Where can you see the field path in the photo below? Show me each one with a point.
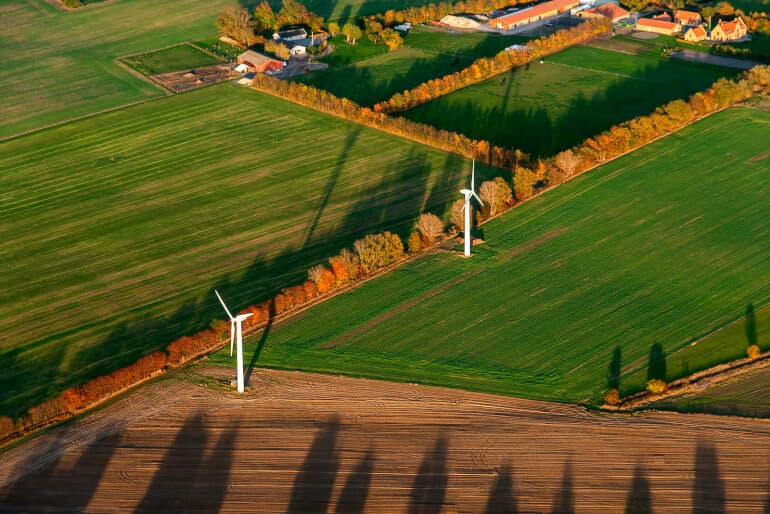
(300, 442)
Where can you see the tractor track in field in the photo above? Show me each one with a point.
(304, 442)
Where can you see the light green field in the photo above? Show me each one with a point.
(58, 65)
(116, 228)
(176, 58)
(426, 55)
(545, 108)
(660, 246)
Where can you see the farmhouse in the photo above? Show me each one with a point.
(729, 30)
(695, 34)
(658, 26)
(258, 62)
(664, 16)
(613, 12)
(533, 14)
(687, 18)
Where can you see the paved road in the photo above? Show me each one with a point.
(718, 60)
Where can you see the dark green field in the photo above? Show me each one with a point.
(576, 94)
(660, 246)
(426, 54)
(176, 58)
(116, 228)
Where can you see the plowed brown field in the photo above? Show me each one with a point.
(308, 443)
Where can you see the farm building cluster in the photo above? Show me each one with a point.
(690, 25)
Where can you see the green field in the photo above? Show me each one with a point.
(746, 395)
(176, 58)
(659, 246)
(57, 65)
(575, 94)
(116, 228)
(426, 54)
(343, 9)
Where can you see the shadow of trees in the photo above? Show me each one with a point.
(313, 486)
(613, 374)
(639, 498)
(56, 488)
(708, 495)
(430, 484)
(751, 325)
(564, 502)
(356, 490)
(502, 497)
(656, 368)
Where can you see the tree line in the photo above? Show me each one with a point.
(486, 67)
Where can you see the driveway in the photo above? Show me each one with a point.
(718, 60)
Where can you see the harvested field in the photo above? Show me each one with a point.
(299, 442)
(180, 81)
(617, 45)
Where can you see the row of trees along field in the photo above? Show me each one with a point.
(370, 254)
(486, 67)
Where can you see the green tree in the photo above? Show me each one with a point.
(352, 33)
(265, 18)
(392, 39)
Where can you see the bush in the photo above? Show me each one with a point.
(656, 386)
(753, 351)
(430, 228)
(7, 428)
(187, 348)
(322, 277)
(414, 243)
(613, 397)
(310, 289)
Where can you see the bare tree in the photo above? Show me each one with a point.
(488, 195)
(457, 213)
(567, 161)
(236, 22)
(430, 227)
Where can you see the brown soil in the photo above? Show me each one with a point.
(179, 81)
(307, 443)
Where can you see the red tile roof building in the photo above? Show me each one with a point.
(533, 14)
(695, 34)
(728, 30)
(688, 18)
(658, 26)
(614, 12)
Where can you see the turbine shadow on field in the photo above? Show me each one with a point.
(564, 501)
(54, 488)
(430, 483)
(353, 496)
(502, 496)
(639, 498)
(314, 483)
(708, 495)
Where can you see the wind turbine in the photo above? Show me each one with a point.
(236, 332)
(467, 208)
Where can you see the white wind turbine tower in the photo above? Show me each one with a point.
(236, 332)
(467, 208)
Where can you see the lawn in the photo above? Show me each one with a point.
(116, 228)
(545, 108)
(58, 65)
(176, 58)
(426, 54)
(660, 246)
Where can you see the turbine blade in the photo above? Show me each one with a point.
(479, 199)
(232, 336)
(223, 304)
(473, 175)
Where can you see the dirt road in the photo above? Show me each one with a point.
(299, 442)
